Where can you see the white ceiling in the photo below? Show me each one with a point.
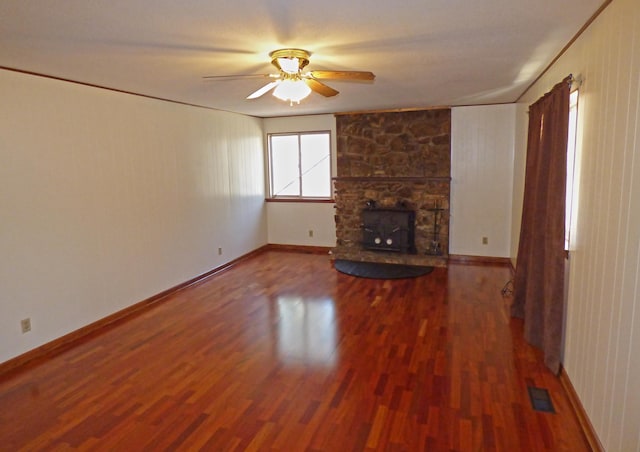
(424, 52)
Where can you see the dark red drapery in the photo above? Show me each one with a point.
(538, 295)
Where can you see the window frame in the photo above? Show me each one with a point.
(270, 166)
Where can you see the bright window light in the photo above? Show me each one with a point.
(571, 202)
(300, 165)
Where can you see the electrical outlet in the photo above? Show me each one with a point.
(310, 232)
(485, 240)
(25, 325)
(219, 251)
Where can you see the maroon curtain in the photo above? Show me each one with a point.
(538, 294)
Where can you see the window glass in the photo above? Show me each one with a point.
(572, 172)
(315, 165)
(284, 166)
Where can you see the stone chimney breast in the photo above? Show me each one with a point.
(394, 159)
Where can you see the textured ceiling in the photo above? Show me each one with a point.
(424, 52)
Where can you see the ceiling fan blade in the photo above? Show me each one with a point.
(320, 87)
(266, 88)
(344, 75)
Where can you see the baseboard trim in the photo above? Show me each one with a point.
(68, 340)
(462, 259)
(581, 414)
(299, 248)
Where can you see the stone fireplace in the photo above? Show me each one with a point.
(393, 162)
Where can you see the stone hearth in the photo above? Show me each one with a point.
(399, 159)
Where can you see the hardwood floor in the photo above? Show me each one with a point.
(282, 352)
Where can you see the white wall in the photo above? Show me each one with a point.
(107, 199)
(519, 164)
(289, 223)
(482, 149)
(603, 316)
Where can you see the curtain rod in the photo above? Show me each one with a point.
(574, 82)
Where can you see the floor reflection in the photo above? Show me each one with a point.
(306, 331)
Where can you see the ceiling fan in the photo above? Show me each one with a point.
(293, 85)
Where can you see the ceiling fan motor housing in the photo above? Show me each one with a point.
(302, 56)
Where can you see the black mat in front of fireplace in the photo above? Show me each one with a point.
(377, 270)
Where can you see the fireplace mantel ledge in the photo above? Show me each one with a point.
(392, 178)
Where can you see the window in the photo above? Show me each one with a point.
(572, 170)
(300, 165)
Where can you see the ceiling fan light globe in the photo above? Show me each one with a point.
(292, 91)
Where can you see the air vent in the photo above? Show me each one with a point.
(540, 399)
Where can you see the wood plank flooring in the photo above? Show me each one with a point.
(283, 353)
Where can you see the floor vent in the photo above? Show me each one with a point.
(540, 399)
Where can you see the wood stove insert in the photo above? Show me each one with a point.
(389, 230)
